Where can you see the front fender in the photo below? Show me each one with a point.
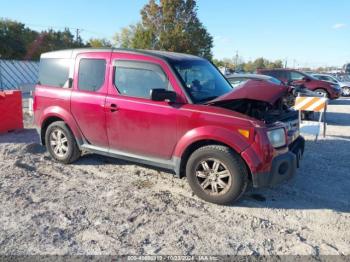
(229, 137)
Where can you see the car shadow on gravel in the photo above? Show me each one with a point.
(322, 182)
(25, 136)
(95, 159)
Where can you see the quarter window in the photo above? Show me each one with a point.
(137, 79)
(91, 74)
(54, 72)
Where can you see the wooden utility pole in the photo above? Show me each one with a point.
(77, 34)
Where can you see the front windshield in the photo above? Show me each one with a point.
(203, 82)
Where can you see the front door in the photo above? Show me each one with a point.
(136, 124)
(89, 95)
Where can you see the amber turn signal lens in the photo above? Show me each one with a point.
(244, 132)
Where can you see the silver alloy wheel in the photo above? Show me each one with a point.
(59, 143)
(346, 91)
(213, 176)
(322, 93)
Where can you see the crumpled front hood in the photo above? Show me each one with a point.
(255, 90)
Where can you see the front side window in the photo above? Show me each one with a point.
(202, 81)
(137, 79)
(91, 74)
(54, 72)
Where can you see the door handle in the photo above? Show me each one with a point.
(111, 107)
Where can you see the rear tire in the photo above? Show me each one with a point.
(346, 91)
(61, 143)
(217, 174)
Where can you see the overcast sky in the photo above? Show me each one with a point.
(307, 33)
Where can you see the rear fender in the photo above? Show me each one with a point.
(55, 111)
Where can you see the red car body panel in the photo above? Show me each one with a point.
(156, 129)
(88, 108)
(255, 90)
(142, 126)
(52, 102)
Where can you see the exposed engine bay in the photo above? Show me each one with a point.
(264, 111)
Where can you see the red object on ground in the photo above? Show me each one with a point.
(10, 111)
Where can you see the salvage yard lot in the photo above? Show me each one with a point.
(101, 205)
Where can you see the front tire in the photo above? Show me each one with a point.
(217, 174)
(61, 143)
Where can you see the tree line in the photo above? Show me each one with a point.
(238, 64)
(171, 25)
(20, 42)
(165, 25)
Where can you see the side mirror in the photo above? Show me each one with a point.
(160, 94)
(306, 79)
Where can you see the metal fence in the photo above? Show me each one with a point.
(16, 74)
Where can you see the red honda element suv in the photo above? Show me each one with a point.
(168, 110)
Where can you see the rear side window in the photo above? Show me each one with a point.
(91, 74)
(54, 72)
(137, 79)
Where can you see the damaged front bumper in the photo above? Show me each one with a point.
(283, 167)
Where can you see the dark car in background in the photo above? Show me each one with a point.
(297, 78)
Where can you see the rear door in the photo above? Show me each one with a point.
(89, 96)
(135, 123)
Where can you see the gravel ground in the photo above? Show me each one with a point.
(102, 205)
